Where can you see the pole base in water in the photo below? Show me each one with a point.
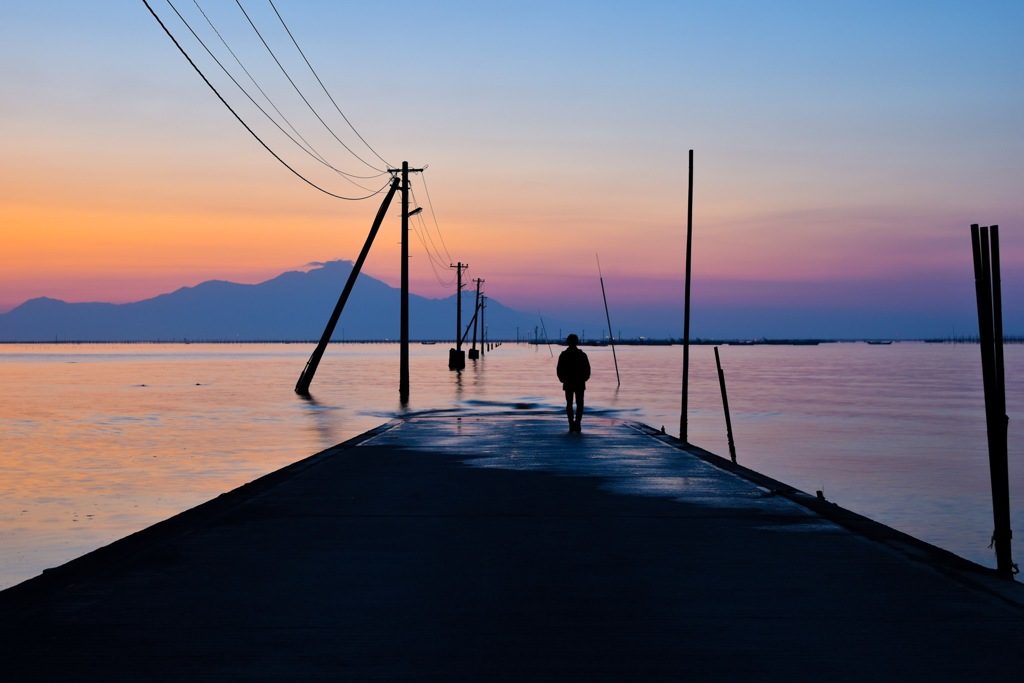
(456, 359)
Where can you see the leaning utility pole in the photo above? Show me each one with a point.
(302, 386)
(456, 356)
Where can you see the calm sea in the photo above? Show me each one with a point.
(98, 441)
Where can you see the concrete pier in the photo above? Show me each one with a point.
(502, 548)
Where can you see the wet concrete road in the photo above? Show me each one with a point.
(501, 548)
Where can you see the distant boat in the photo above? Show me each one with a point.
(428, 343)
(880, 343)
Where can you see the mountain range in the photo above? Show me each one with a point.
(290, 307)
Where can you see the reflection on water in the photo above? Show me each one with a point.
(101, 440)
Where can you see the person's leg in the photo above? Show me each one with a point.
(579, 408)
(568, 407)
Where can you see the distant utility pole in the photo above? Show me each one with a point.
(483, 327)
(473, 353)
(456, 356)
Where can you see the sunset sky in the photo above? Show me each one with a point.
(842, 150)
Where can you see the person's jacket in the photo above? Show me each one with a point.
(573, 369)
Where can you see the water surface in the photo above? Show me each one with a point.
(98, 441)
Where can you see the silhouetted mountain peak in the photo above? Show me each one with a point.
(294, 305)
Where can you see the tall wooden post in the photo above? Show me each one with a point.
(990, 333)
(683, 436)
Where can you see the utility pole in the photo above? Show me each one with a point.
(473, 353)
(483, 327)
(403, 362)
(456, 356)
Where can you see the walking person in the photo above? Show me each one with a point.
(573, 371)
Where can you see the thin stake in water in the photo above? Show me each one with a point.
(611, 337)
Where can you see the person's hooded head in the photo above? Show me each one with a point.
(572, 340)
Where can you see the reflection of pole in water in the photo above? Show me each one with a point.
(611, 338)
(321, 422)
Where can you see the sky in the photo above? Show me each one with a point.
(841, 152)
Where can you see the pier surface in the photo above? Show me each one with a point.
(502, 548)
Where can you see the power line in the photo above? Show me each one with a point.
(429, 237)
(432, 260)
(424, 234)
(434, 216)
(297, 89)
(306, 146)
(239, 118)
(433, 255)
(326, 92)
